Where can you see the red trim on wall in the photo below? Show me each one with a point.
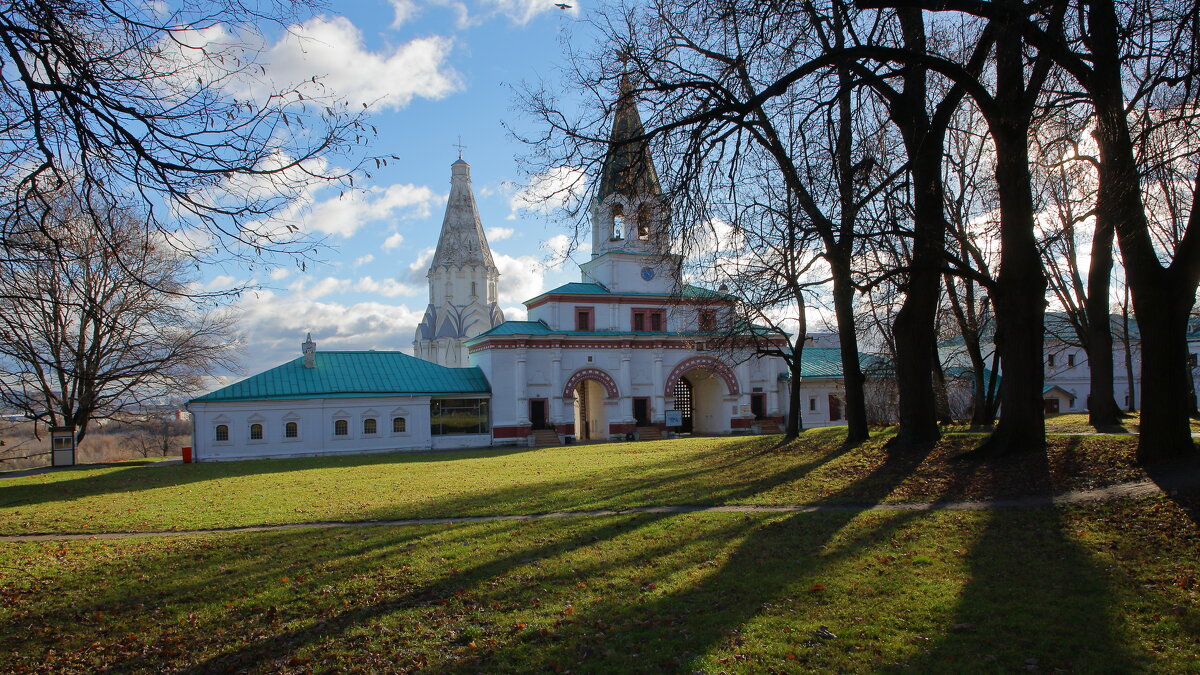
(519, 431)
(588, 342)
(620, 300)
(705, 363)
(740, 423)
(565, 429)
(605, 380)
(621, 428)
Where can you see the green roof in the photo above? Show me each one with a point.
(354, 374)
(581, 288)
(821, 362)
(540, 328)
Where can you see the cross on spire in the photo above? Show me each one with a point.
(460, 146)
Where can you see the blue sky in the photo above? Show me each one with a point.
(434, 71)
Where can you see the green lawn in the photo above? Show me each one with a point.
(746, 470)
(1100, 587)
(1086, 589)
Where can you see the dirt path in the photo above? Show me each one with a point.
(1124, 490)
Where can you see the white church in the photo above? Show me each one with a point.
(626, 352)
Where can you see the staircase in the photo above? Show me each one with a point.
(543, 438)
(649, 433)
(769, 427)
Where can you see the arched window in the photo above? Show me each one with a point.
(369, 425)
(618, 216)
(291, 430)
(474, 292)
(643, 221)
(399, 425)
(341, 428)
(222, 432)
(256, 433)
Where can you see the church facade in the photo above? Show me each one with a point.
(628, 351)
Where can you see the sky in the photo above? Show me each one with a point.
(435, 72)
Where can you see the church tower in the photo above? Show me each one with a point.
(628, 214)
(462, 280)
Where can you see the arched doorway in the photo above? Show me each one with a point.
(591, 420)
(700, 388)
(683, 403)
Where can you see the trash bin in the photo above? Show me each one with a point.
(187, 455)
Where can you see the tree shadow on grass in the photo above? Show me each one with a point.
(1180, 481)
(670, 631)
(1034, 600)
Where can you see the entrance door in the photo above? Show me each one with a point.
(758, 405)
(835, 408)
(537, 413)
(641, 411)
(1051, 406)
(683, 403)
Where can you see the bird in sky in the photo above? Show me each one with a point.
(562, 5)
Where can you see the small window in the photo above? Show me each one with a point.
(1070, 360)
(291, 430)
(256, 433)
(341, 428)
(1050, 360)
(656, 322)
(812, 404)
(708, 320)
(1192, 359)
(222, 432)
(399, 425)
(618, 227)
(474, 292)
(643, 222)
(369, 426)
(639, 321)
(583, 318)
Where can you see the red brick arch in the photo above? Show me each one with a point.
(606, 380)
(702, 363)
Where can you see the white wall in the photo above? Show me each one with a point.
(316, 419)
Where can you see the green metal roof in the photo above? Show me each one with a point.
(354, 374)
(581, 288)
(821, 362)
(540, 328)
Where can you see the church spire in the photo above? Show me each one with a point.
(462, 241)
(627, 167)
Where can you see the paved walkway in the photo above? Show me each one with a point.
(1124, 490)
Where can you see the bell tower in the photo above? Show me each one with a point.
(463, 280)
(629, 218)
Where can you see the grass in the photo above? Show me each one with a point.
(1100, 588)
(1109, 586)
(1077, 423)
(747, 470)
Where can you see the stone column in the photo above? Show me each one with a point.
(520, 387)
(625, 407)
(658, 402)
(556, 384)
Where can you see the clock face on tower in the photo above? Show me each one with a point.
(647, 273)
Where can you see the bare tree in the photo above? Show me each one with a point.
(165, 103)
(104, 325)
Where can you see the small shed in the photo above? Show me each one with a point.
(1057, 400)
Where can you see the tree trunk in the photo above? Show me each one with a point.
(1020, 294)
(940, 391)
(794, 425)
(1102, 406)
(852, 375)
(1162, 297)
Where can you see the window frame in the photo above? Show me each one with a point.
(291, 423)
(706, 320)
(438, 411)
(344, 423)
(590, 312)
(217, 429)
(403, 420)
(262, 435)
(373, 429)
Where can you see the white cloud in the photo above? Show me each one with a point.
(402, 11)
(280, 273)
(420, 267)
(499, 233)
(519, 12)
(343, 215)
(562, 248)
(308, 289)
(393, 241)
(275, 325)
(332, 49)
(521, 277)
(557, 188)
(389, 288)
(364, 259)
